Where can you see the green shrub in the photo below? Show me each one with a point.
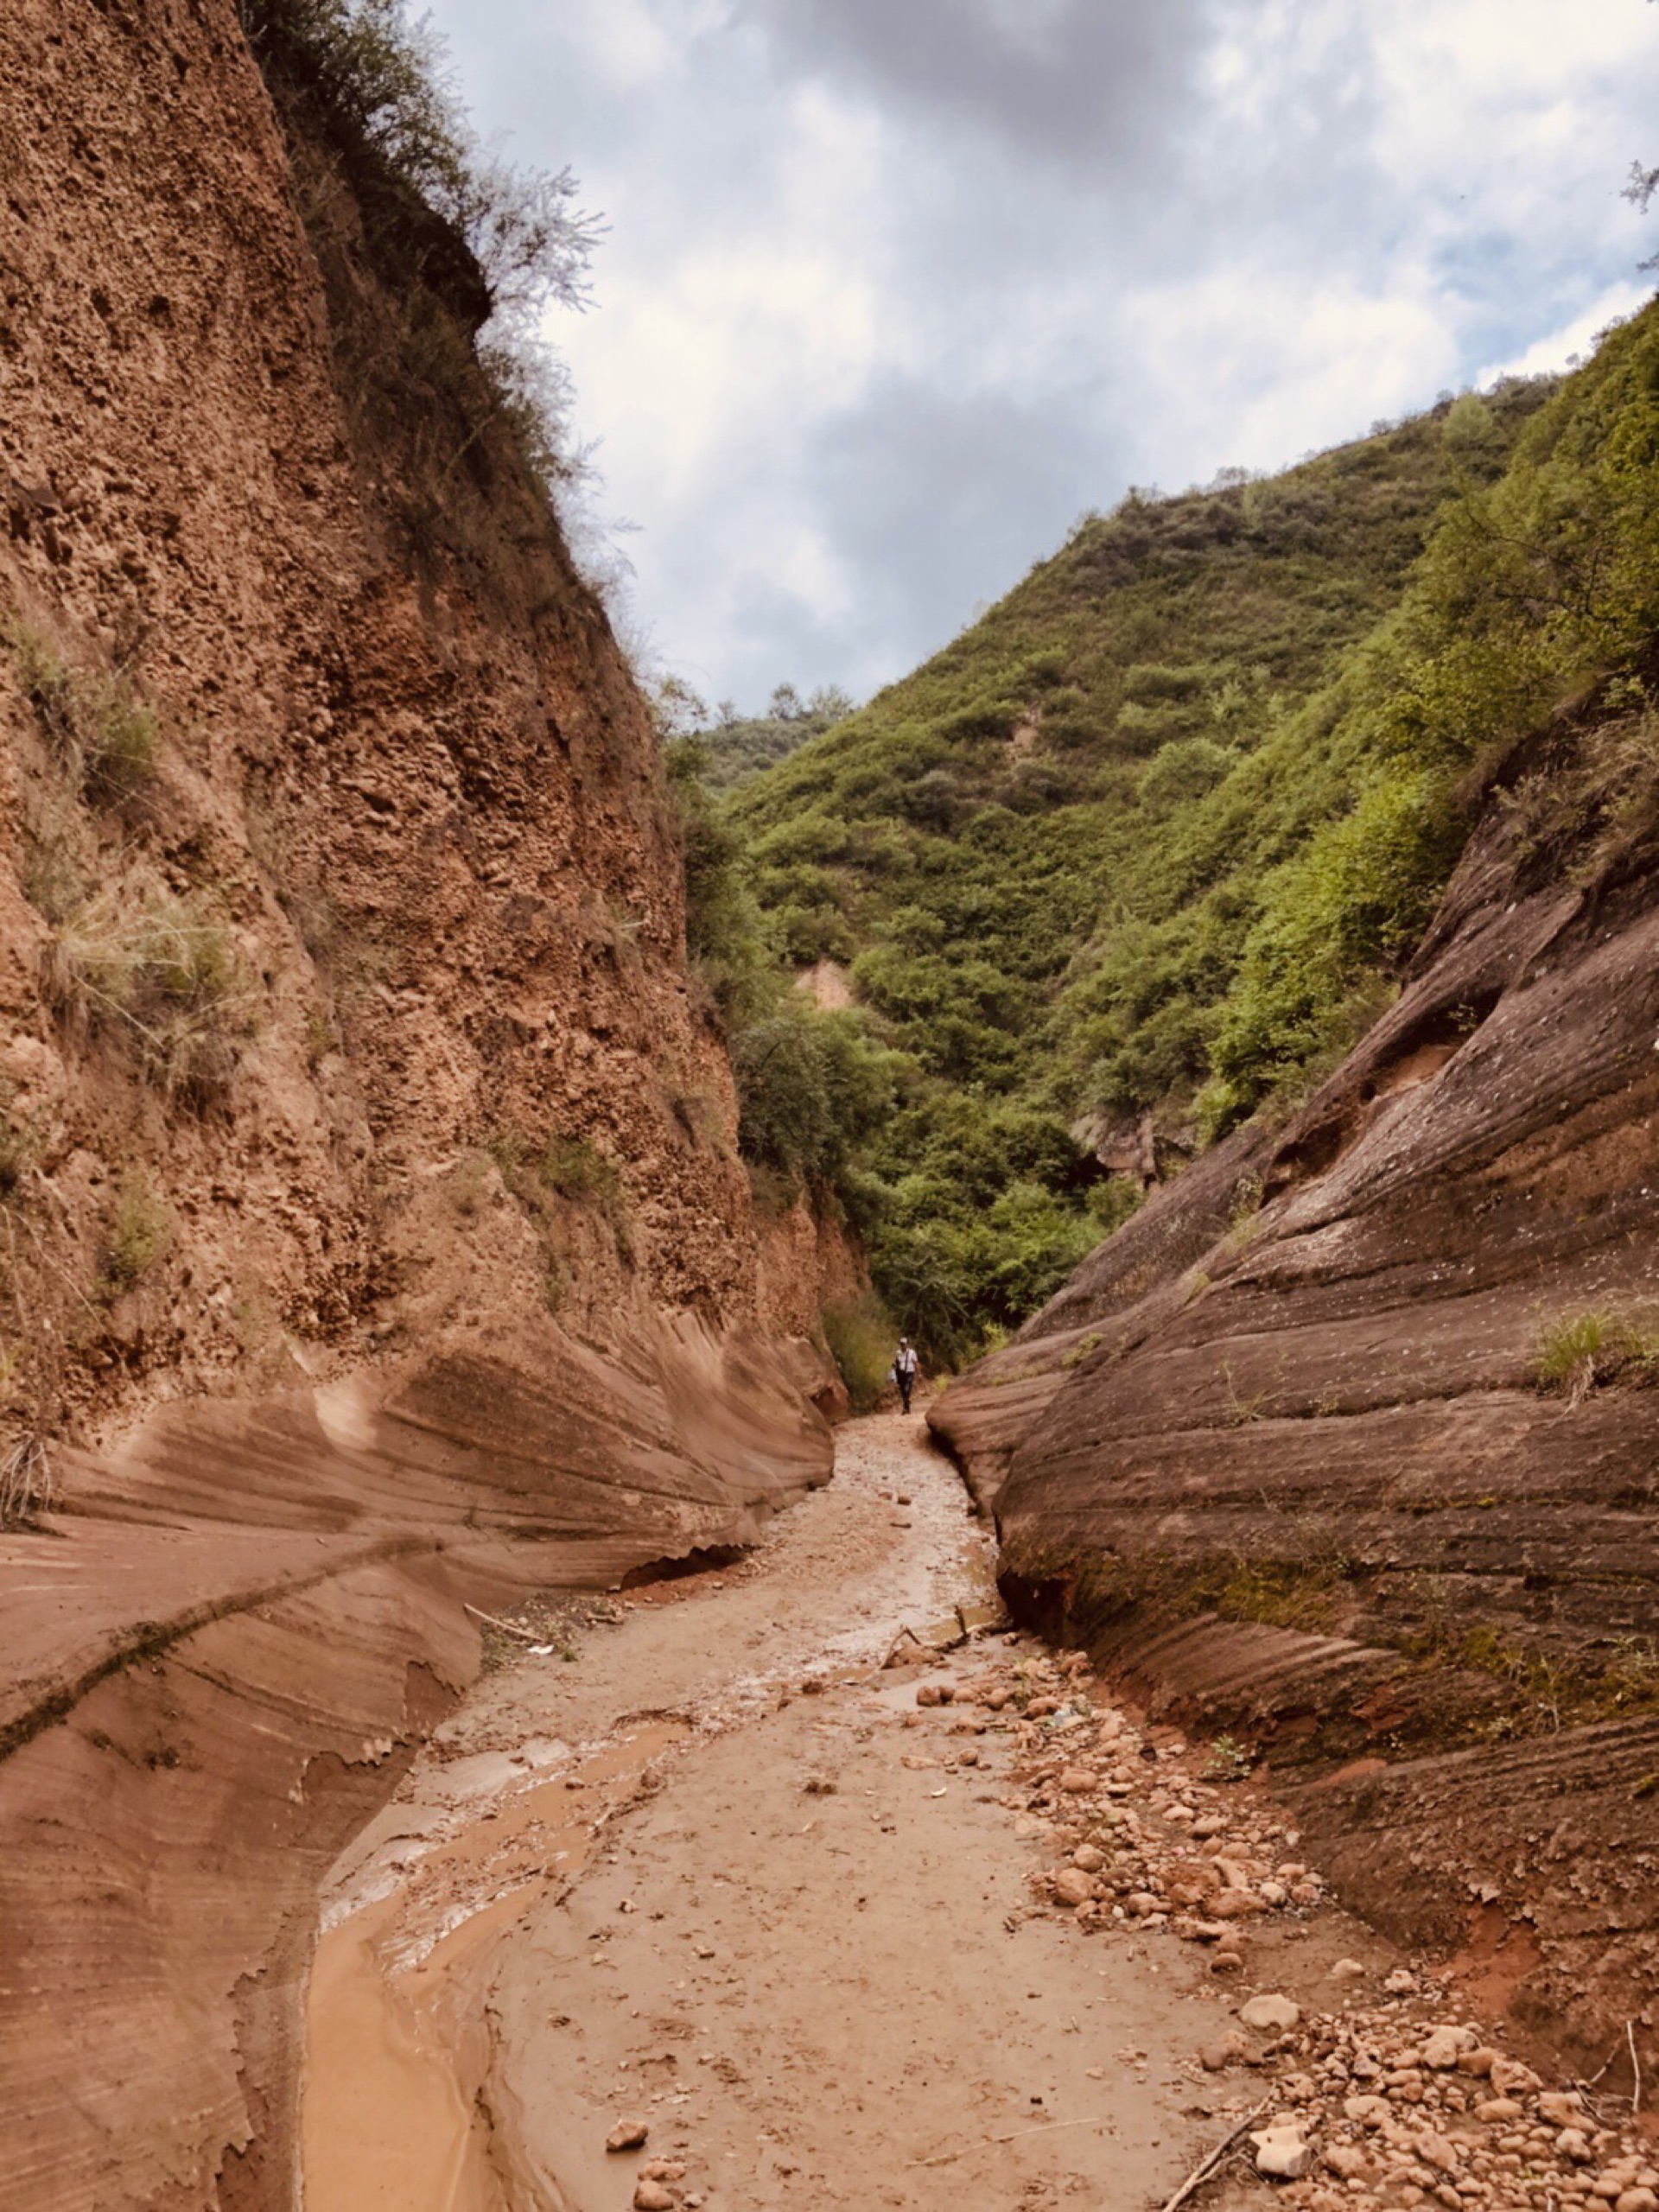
(576, 1168)
(459, 238)
(811, 1089)
(571, 1168)
(141, 1228)
(861, 1337)
(97, 724)
(120, 742)
(1183, 772)
(1577, 1350)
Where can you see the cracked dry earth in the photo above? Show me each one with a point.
(701, 1863)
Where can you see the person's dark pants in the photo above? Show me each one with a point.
(906, 1384)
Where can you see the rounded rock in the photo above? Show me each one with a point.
(1270, 2013)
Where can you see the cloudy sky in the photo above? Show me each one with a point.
(893, 289)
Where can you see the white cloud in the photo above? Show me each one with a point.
(892, 291)
(1573, 342)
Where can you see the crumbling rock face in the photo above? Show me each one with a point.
(1348, 1472)
(373, 1236)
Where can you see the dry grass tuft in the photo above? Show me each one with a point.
(161, 971)
(97, 724)
(1578, 1351)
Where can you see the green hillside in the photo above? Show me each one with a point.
(736, 746)
(1148, 840)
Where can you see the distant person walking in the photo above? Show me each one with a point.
(904, 1370)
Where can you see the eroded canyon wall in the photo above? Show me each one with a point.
(1348, 1443)
(374, 1235)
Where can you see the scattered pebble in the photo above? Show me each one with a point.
(1375, 2108)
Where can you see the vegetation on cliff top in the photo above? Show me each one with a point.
(1140, 853)
(472, 250)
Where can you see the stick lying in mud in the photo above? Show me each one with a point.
(1635, 2070)
(904, 1635)
(1018, 2135)
(1206, 2166)
(507, 1628)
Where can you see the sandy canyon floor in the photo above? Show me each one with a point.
(699, 1861)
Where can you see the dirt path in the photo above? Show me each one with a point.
(721, 1874)
(788, 1944)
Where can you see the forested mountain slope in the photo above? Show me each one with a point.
(1138, 850)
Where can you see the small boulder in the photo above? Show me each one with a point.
(1511, 2078)
(1270, 2014)
(1636, 2200)
(1235, 1904)
(1439, 2151)
(1367, 2112)
(1282, 2153)
(628, 2135)
(1230, 2050)
(1090, 1857)
(1072, 1886)
(1077, 1781)
(650, 2195)
(1444, 2046)
(1560, 2107)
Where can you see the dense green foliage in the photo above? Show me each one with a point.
(737, 747)
(1153, 838)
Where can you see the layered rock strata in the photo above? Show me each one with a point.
(1346, 1443)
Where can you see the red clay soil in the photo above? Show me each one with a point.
(1283, 1449)
(408, 1262)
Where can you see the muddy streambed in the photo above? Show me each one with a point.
(521, 1792)
(719, 1873)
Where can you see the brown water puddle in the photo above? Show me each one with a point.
(394, 2039)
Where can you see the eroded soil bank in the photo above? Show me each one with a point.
(719, 1871)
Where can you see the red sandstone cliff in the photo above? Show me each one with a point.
(374, 1236)
(1347, 1441)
